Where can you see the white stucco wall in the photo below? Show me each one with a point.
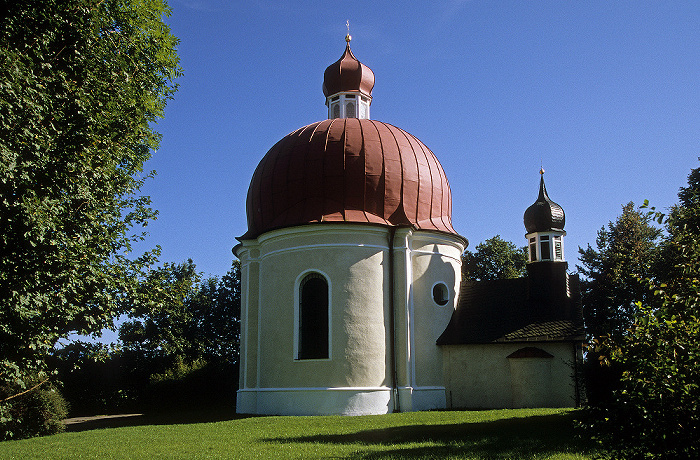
(481, 376)
(357, 377)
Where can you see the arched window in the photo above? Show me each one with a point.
(313, 317)
(336, 110)
(350, 110)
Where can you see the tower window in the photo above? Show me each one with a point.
(545, 253)
(533, 249)
(313, 317)
(335, 98)
(336, 110)
(558, 253)
(350, 110)
(363, 110)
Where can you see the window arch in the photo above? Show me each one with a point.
(312, 342)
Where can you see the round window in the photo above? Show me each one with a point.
(441, 295)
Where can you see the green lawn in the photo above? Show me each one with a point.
(517, 434)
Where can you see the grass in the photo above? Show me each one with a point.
(496, 434)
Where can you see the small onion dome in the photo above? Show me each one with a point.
(348, 74)
(349, 170)
(544, 215)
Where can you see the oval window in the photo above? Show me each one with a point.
(441, 295)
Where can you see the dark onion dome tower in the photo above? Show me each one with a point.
(548, 282)
(544, 221)
(350, 266)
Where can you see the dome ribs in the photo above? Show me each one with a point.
(267, 200)
(333, 173)
(349, 170)
(354, 167)
(294, 195)
(409, 175)
(374, 174)
(313, 185)
(424, 200)
(392, 174)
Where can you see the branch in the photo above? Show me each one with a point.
(26, 391)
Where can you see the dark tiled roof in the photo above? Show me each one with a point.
(504, 311)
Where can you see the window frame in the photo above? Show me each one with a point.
(299, 284)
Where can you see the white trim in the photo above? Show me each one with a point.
(259, 326)
(291, 389)
(538, 246)
(307, 247)
(243, 348)
(411, 364)
(315, 401)
(295, 346)
(325, 227)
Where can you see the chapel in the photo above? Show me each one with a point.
(352, 293)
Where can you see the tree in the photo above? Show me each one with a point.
(184, 346)
(656, 411)
(81, 83)
(189, 320)
(494, 259)
(625, 252)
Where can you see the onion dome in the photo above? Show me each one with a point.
(348, 74)
(349, 170)
(544, 215)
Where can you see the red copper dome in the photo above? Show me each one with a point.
(348, 74)
(349, 170)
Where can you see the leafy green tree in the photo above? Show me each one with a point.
(656, 411)
(493, 259)
(189, 320)
(626, 251)
(184, 346)
(81, 83)
(159, 328)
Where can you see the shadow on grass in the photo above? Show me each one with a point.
(174, 417)
(527, 437)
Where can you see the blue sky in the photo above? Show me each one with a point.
(605, 95)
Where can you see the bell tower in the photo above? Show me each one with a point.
(544, 221)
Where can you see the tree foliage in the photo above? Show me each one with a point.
(190, 320)
(81, 82)
(493, 259)
(625, 252)
(655, 413)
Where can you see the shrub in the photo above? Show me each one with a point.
(37, 412)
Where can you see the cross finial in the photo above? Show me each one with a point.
(348, 37)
